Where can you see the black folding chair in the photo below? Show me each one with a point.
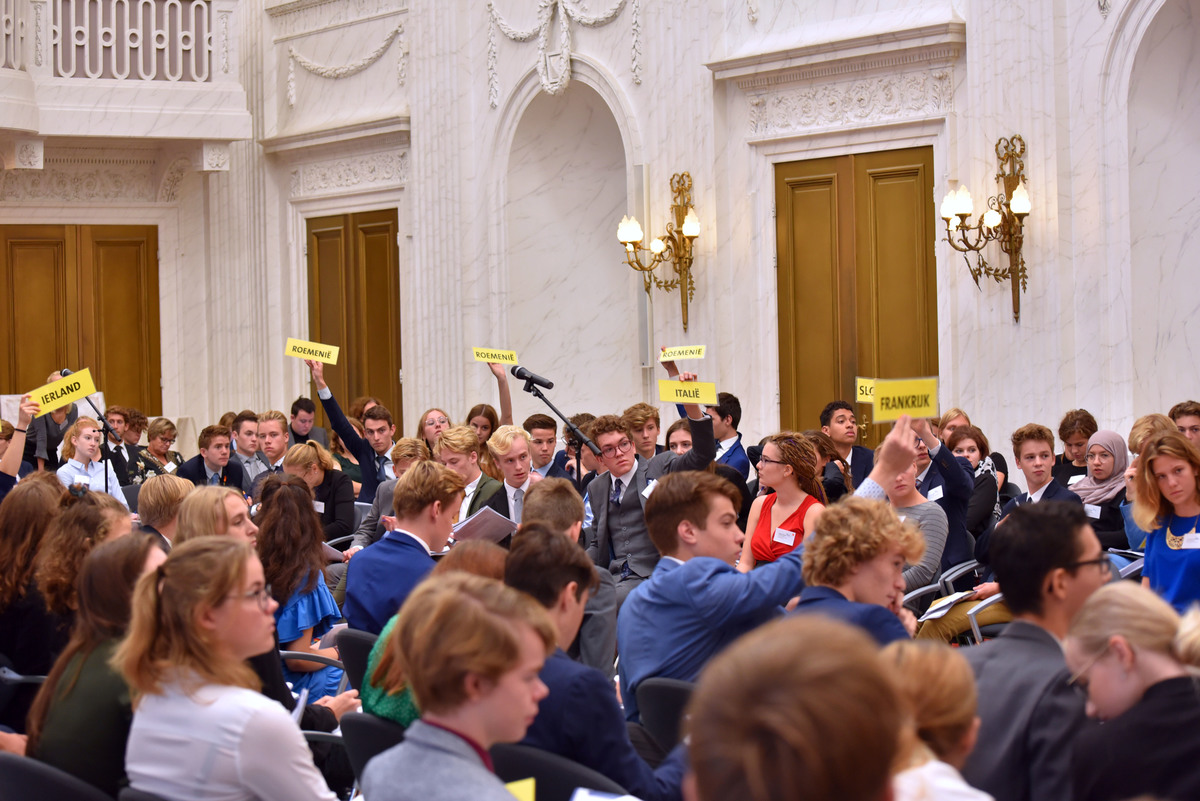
(366, 735)
(557, 777)
(661, 703)
(24, 777)
(355, 646)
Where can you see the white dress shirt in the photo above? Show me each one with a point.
(74, 472)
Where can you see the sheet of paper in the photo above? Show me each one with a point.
(941, 606)
(486, 524)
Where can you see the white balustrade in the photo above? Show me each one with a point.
(146, 40)
(11, 25)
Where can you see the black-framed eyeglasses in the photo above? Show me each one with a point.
(612, 450)
(1101, 562)
(262, 595)
(771, 461)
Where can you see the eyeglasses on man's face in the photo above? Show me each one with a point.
(612, 450)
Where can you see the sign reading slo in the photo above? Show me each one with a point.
(864, 390)
(916, 397)
(311, 350)
(682, 352)
(494, 355)
(671, 391)
(64, 391)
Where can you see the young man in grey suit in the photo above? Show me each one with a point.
(618, 539)
(1048, 561)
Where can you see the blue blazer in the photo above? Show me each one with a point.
(679, 618)
(862, 460)
(1054, 492)
(957, 481)
(379, 579)
(193, 470)
(580, 720)
(736, 458)
(876, 620)
(352, 442)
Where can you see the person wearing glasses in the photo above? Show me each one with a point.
(157, 458)
(1135, 656)
(200, 728)
(1048, 561)
(617, 538)
(778, 522)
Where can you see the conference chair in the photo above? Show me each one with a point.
(987, 632)
(355, 646)
(26, 778)
(130, 794)
(131, 495)
(366, 735)
(10, 680)
(661, 703)
(557, 778)
(321, 660)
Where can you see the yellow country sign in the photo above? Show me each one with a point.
(682, 352)
(523, 789)
(687, 392)
(494, 355)
(64, 391)
(916, 397)
(864, 390)
(311, 350)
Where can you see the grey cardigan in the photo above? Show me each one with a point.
(431, 765)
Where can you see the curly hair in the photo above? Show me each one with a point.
(26, 514)
(289, 537)
(825, 448)
(852, 532)
(86, 523)
(799, 453)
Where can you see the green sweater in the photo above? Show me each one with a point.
(400, 707)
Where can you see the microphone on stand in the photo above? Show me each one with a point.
(533, 378)
(65, 372)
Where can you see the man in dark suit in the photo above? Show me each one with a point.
(118, 454)
(213, 466)
(1048, 561)
(1033, 445)
(379, 579)
(543, 437)
(725, 416)
(458, 448)
(617, 538)
(643, 423)
(245, 448)
(509, 447)
(839, 424)
(948, 481)
(302, 426)
(373, 452)
(579, 719)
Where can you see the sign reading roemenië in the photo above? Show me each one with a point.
(64, 391)
(916, 397)
(311, 350)
(682, 352)
(495, 355)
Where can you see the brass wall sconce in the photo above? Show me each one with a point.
(674, 247)
(1002, 221)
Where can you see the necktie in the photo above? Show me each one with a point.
(616, 493)
(215, 479)
(381, 473)
(518, 501)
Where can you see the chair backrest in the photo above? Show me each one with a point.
(354, 647)
(130, 794)
(23, 777)
(366, 735)
(360, 511)
(131, 495)
(661, 703)
(556, 777)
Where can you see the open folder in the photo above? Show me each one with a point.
(486, 524)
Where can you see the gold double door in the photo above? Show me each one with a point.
(79, 296)
(856, 278)
(354, 303)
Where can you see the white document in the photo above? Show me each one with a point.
(486, 524)
(941, 606)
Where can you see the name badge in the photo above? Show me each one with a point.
(169, 467)
(1093, 511)
(1075, 479)
(935, 494)
(649, 489)
(85, 480)
(1191, 541)
(319, 506)
(782, 535)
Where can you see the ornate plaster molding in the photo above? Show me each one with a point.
(1105, 7)
(348, 175)
(346, 70)
(752, 11)
(83, 178)
(168, 187)
(300, 17)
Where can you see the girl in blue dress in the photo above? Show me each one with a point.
(289, 544)
(1166, 508)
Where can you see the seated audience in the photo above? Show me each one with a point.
(12, 446)
(360, 405)
(839, 424)
(372, 451)
(643, 424)
(759, 731)
(81, 463)
(396, 703)
(1075, 430)
(289, 545)
(214, 465)
(580, 718)
(31, 636)
(954, 419)
(725, 418)
(135, 425)
(1186, 416)
(347, 462)
(509, 447)
(1136, 658)
(1103, 489)
(575, 451)
(156, 458)
(80, 719)
(380, 578)
(200, 727)
(1165, 509)
(483, 418)
(432, 423)
(113, 448)
(683, 444)
(459, 449)
(929, 518)
(333, 495)
(46, 433)
(947, 480)
(407, 452)
(215, 511)
(938, 689)
(826, 453)
(696, 602)
(854, 568)
(1033, 445)
(302, 426)
(983, 510)
(227, 419)
(679, 436)
(88, 519)
(159, 500)
(1047, 561)
(778, 522)
(471, 649)
(543, 438)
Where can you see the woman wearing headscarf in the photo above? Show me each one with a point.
(1103, 489)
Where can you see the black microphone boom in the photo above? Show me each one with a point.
(524, 374)
(65, 372)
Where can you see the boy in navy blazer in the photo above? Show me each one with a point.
(1033, 445)
(838, 423)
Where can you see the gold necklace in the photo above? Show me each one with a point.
(1175, 541)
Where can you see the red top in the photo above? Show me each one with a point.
(763, 545)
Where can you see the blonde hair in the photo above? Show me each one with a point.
(78, 427)
(502, 440)
(1141, 617)
(1146, 427)
(309, 454)
(1150, 508)
(422, 484)
(161, 427)
(455, 625)
(761, 730)
(936, 684)
(421, 422)
(203, 513)
(953, 413)
(459, 439)
(410, 448)
(853, 531)
(163, 636)
(274, 416)
(160, 497)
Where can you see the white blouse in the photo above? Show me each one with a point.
(935, 781)
(221, 744)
